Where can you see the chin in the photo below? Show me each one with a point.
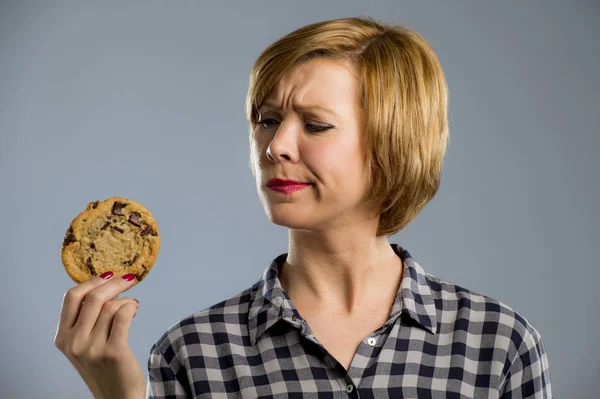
(289, 218)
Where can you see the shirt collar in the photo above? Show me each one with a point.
(271, 303)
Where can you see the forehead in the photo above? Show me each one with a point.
(320, 81)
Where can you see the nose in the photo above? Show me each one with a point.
(277, 154)
(284, 146)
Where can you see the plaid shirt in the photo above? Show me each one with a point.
(440, 341)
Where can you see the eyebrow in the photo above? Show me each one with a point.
(303, 107)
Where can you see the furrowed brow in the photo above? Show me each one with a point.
(303, 107)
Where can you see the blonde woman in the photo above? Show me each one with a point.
(348, 130)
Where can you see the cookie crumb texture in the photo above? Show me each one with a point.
(117, 235)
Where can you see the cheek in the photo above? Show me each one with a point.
(339, 165)
(255, 152)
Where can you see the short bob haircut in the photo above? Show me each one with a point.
(404, 95)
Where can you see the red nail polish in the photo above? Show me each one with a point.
(106, 275)
(129, 277)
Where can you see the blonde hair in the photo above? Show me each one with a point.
(403, 93)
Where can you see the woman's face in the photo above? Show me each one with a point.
(309, 131)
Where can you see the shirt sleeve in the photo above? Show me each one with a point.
(529, 374)
(167, 379)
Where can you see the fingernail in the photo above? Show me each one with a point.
(138, 302)
(106, 275)
(129, 277)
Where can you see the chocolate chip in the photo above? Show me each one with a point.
(147, 230)
(70, 237)
(105, 226)
(134, 219)
(140, 277)
(90, 266)
(132, 261)
(93, 246)
(95, 204)
(117, 207)
(120, 230)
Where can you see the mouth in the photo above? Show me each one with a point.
(284, 182)
(286, 186)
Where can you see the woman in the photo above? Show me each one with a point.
(348, 130)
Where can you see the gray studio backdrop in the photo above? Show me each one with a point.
(146, 100)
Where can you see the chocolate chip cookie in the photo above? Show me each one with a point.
(117, 235)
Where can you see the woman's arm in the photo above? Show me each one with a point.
(167, 378)
(529, 374)
(93, 334)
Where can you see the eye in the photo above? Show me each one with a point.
(267, 122)
(317, 128)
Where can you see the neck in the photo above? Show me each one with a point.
(342, 272)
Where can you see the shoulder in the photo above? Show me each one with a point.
(496, 339)
(225, 317)
(462, 309)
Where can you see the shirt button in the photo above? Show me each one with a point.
(372, 341)
(350, 388)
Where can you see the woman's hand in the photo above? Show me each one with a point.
(93, 334)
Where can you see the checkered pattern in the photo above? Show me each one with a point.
(440, 341)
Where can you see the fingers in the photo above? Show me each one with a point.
(95, 300)
(73, 298)
(113, 311)
(121, 324)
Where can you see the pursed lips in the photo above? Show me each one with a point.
(285, 182)
(286, 186)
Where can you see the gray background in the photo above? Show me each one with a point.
(146, 101)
